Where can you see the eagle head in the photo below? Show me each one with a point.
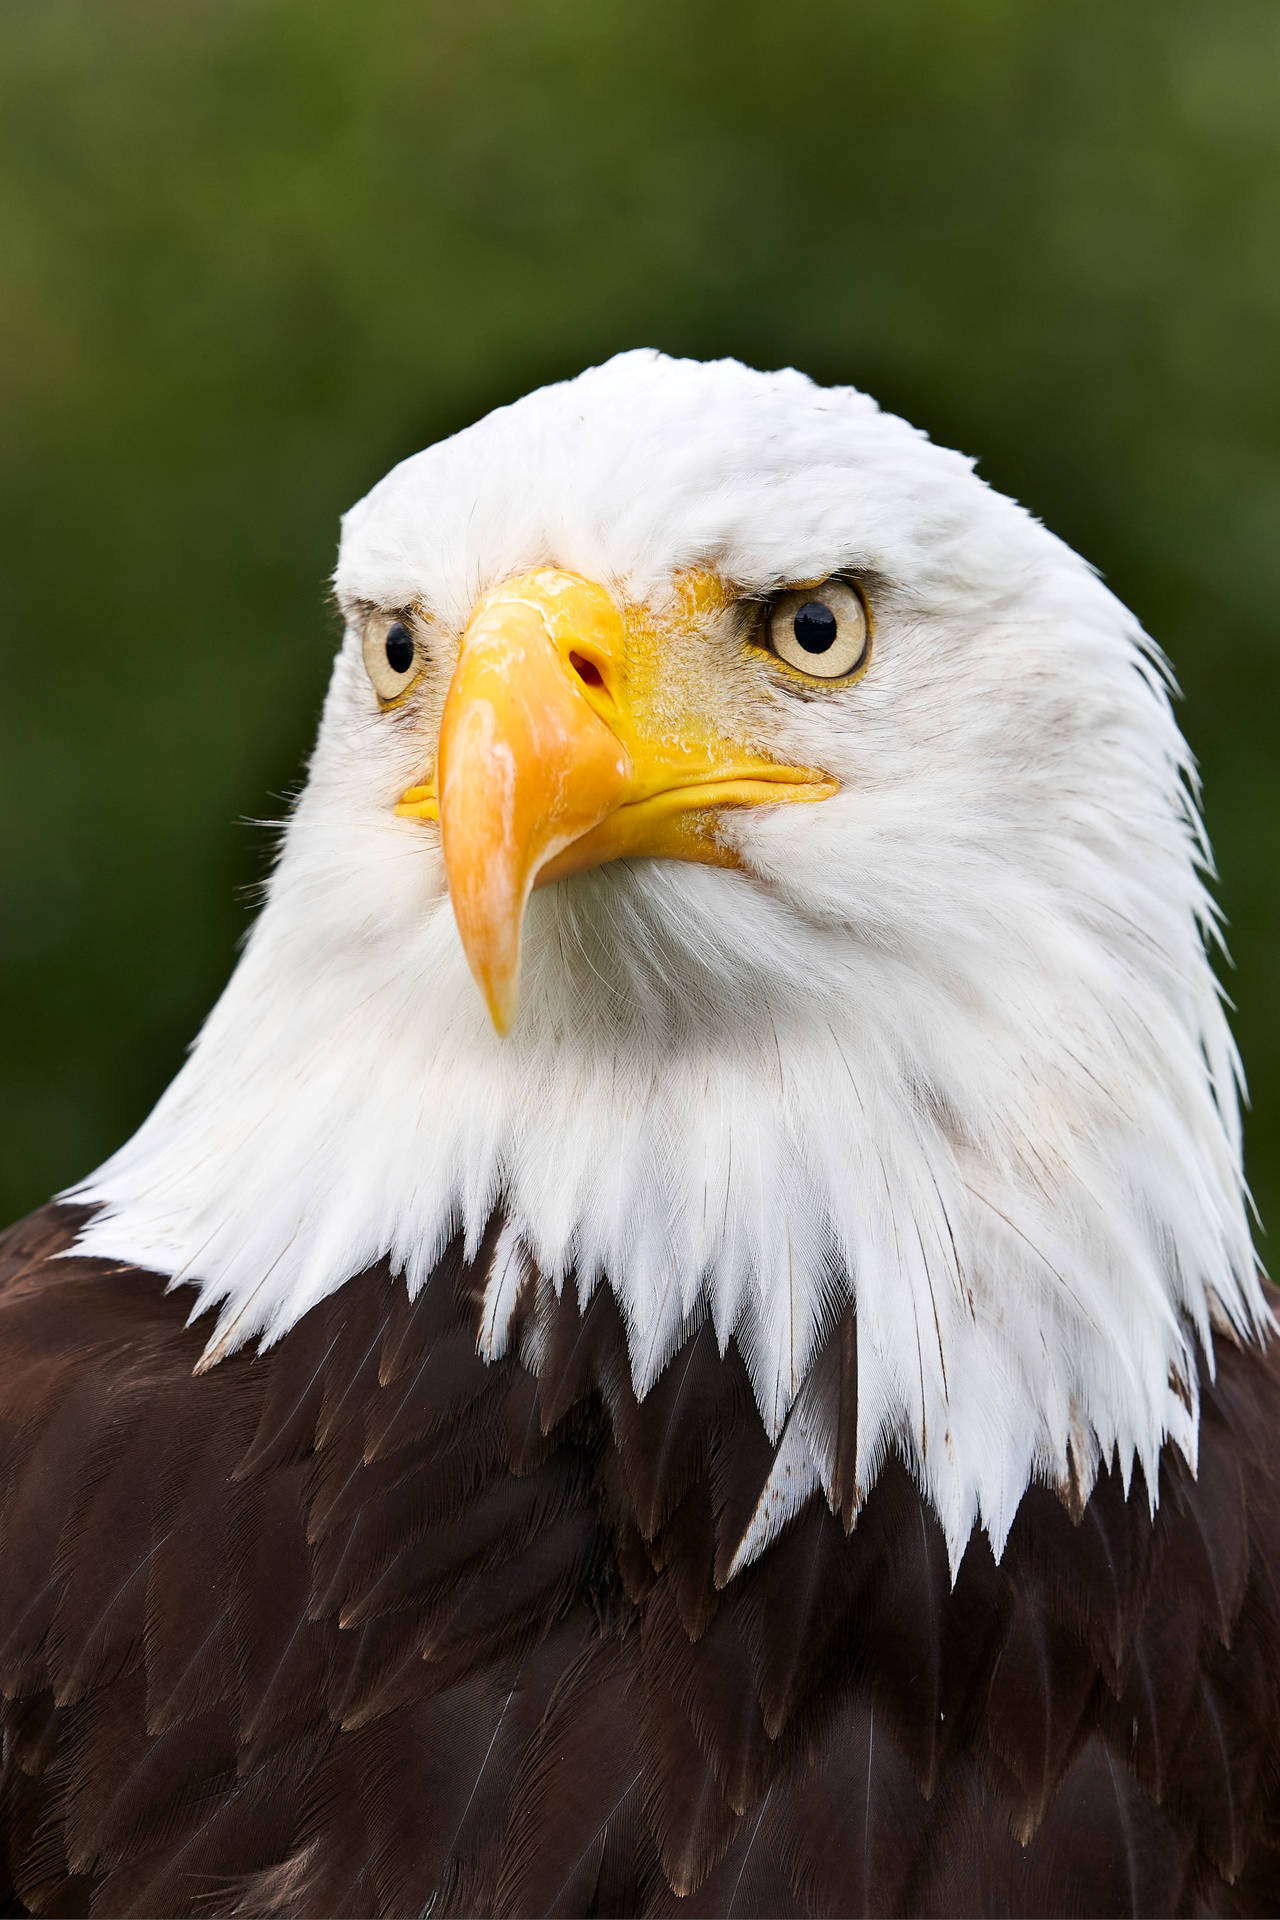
(756, 864)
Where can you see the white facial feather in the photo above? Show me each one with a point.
(947, 1045)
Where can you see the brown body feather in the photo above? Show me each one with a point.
(363, 1625)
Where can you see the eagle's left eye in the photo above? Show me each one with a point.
(820, 631)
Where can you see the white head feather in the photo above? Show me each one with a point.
(948, 1044)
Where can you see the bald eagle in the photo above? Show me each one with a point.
(687, 1339)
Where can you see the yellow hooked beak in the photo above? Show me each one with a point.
(552, 759)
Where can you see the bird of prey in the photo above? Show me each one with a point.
(687, 1338)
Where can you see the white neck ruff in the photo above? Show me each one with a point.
(1025, 1184)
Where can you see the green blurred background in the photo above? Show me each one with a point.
(254, 251)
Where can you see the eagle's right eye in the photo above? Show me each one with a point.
(390, 655)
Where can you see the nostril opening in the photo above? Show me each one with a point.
(587, 670)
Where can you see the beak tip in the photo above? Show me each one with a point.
(502, 997)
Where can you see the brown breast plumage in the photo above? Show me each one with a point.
(363, 1625)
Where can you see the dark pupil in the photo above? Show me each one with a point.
(815, 626)
(399, 647)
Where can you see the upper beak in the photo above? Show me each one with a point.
(547, 764)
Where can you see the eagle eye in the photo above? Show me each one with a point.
(390, 654)
(822, 632)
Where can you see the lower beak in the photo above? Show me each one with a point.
(547, 765)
